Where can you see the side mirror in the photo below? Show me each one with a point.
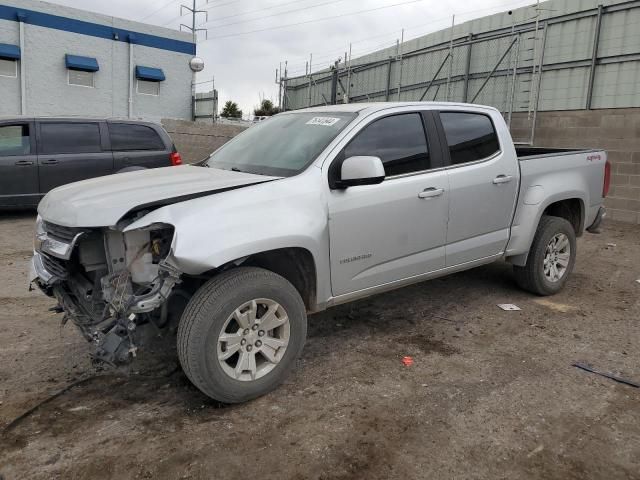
(361, 171)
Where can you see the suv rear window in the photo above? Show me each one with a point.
(126, 136)
(56, 138)
(14, 140)
(470, 136)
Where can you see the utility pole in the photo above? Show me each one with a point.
(215, 99)
(453, 24)
(334, 82)
(310, 77)
(348, 95)
(279, 82)
(285, 98)
(194, 11)
(400, 48)
(194, 32)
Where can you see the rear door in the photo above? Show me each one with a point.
(69, 151)
(136, 145)
(18, 165)
(483, 184)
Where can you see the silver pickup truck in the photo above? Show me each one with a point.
(304, 211)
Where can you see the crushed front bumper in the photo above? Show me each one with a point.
(42, 277)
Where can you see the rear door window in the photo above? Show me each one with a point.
(470, 136)
(134, 137)
(14, 140)
(399, 141)
(57, 138)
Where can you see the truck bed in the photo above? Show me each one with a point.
(528, 153)
(555, 174)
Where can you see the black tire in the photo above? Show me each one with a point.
(205, 316)
(531, 277)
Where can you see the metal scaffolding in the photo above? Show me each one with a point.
(503, 68)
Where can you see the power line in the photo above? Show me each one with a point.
(158, 9)
(206, 6)
(316, 20)
(278, 14)
(260, 9)
(421, 26)
(210, 7)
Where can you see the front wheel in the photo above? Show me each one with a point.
(241, 333)
(551, 257)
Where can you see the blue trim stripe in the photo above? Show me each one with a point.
(85, 64)
(150, 74)
(94, 29)
(9, 52)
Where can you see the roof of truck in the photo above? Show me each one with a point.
(375, 106)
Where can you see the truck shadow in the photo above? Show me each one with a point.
(435, 300)
(161, 398)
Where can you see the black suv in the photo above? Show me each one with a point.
(39, 154)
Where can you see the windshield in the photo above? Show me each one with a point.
(281, 146)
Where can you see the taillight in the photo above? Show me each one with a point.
(175, 158)
(607, 179)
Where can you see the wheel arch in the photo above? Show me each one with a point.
(571, 209)
(295, 264)
(570, 206)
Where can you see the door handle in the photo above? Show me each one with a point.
(51, 161)
(431, 192)
(24, 162)
(502, 179)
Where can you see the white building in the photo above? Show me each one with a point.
(63, 61)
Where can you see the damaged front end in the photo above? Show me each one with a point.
(109, 283)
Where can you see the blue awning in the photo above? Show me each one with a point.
(85, 64)
(150, 74)
(9, 52)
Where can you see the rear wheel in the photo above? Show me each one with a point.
(241, 333)
(551, 257)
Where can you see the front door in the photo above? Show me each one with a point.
(70, 151)
(18, 165)
(394, 230)
(483, 185)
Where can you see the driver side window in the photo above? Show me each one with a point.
(399, 141)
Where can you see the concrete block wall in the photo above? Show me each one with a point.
(615, 130)
(196, 140)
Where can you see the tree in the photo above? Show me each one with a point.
(266, 109)
(231, 110)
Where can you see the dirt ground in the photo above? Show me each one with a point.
(491, 394)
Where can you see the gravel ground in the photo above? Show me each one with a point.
(491, 394)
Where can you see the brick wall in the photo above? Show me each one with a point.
(195, 141)
(617, 131)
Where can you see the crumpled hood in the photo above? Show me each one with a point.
(103, 201)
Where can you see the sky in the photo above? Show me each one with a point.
(248, 39)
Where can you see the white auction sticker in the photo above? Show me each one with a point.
(324, 121)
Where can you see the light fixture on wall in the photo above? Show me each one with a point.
(196, 64)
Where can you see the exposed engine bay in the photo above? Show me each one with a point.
(111, 284)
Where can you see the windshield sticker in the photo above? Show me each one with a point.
(324, 121)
